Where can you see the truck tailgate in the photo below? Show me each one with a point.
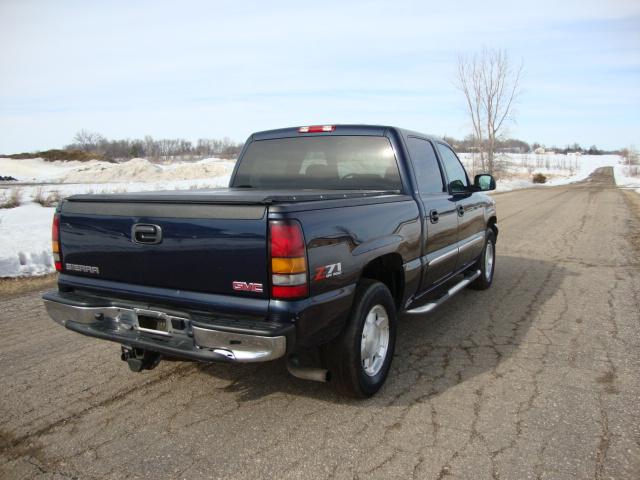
(203, 247)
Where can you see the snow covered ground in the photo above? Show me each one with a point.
(517, 169)
(137, 170)
(25, 241)
(624, 179)
(25, 231)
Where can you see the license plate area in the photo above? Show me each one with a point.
(145, 322)
(160, 323)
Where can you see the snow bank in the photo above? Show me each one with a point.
(521, 167)
(207, 168)
(624, 179)
(587, 164)
(25, 241)
(37, 169)
(508, 185)
(95, 171)
(28, 192)
(98, 172)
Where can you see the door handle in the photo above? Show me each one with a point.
(434, 216)
(460, 210)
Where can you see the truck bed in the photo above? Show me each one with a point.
(209, 238)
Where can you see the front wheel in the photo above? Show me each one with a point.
(486, 263)
(360, 357)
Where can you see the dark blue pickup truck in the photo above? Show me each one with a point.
(325, 235)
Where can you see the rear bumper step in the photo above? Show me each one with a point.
(165, 333)
(428, 307)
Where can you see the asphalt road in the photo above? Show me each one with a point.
(537, 377)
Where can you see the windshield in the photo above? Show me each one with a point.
(322, 162)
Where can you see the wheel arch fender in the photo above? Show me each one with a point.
(492, 223)
(389, 270)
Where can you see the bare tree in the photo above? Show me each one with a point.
(490, 85)
(87, 141)
(632, 159)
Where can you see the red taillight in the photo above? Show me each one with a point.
(55, 242)
(286, 240)
(288, 260)
(289, 292)
(317, 129)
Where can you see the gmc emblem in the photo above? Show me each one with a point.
(247, 287)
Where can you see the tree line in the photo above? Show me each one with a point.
(514, 145)
(90, 145)
(153, 149)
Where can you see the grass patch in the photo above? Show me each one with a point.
(59, 155)
(539, 178)
(13, 200)
(10, 287)
(47, 199)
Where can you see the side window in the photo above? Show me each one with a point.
(425, 165)
(455, 171)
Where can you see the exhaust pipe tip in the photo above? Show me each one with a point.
(307, 373)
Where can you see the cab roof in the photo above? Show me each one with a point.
(351, 129)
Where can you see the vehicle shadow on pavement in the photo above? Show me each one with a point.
(468, 336)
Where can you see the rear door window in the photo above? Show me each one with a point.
(425, 165)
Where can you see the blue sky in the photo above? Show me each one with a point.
(197, 69)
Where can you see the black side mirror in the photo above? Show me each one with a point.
(457, 187)
(484, 183)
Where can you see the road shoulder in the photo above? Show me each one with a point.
(633, 202)
(12, 287)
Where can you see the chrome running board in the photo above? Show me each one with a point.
(428, 307)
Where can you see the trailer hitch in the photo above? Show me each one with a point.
(139, 359)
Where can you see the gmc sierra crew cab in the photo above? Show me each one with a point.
(324, 237)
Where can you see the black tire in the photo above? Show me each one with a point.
(342, 356)
(484, 281)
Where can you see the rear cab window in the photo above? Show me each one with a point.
(346, 162)
(425, 165)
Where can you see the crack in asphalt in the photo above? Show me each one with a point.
(10, 443)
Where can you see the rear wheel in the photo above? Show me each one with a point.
(486, 263)
(359, 359)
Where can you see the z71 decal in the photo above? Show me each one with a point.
(328, 271)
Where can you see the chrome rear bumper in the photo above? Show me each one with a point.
(163, 332)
